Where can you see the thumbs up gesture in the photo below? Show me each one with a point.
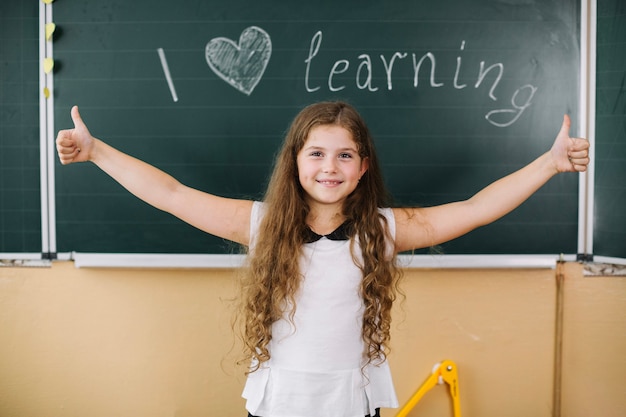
(75, 145)
(569, 154)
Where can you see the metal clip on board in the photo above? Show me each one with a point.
(445, 371)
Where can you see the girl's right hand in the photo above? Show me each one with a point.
(75, 145)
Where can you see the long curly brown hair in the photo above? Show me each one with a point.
(272, 277)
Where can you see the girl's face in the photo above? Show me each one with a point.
(329, 165)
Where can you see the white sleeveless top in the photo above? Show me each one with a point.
(316, 362)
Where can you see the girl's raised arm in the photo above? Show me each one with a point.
(223, 217)
(430, 226)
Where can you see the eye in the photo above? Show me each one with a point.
(345, 155)
(316, 154)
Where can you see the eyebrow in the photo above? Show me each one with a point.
(310, 148)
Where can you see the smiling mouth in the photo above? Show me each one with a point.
(329, 182)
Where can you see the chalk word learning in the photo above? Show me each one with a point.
(365, 68)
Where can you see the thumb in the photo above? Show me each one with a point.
(78, 121)
(565, 126)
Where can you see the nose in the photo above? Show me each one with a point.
(329, 166)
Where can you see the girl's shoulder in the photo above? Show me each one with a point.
(258, 209)
(389, 215)
(256, 215)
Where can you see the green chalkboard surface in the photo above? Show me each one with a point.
(20, 204)
(610, 175)
(456, 93)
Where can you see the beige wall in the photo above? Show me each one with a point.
(144, 343)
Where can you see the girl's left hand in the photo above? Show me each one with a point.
(569, 154)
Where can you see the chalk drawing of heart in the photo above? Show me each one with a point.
(240, 65)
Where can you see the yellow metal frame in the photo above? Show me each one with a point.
(445, 371)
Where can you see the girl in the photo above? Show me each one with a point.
(321, 275)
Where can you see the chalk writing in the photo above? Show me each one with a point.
(166, 71)
(517, 109)
(363, 78)
(241, 65)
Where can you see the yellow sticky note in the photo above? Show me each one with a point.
(46, 92)
(48, 64)
(50, 30)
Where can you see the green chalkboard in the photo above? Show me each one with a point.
(20, 204)
(610, 174)
(456, 93)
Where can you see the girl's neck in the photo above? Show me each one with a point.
(324, 222)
